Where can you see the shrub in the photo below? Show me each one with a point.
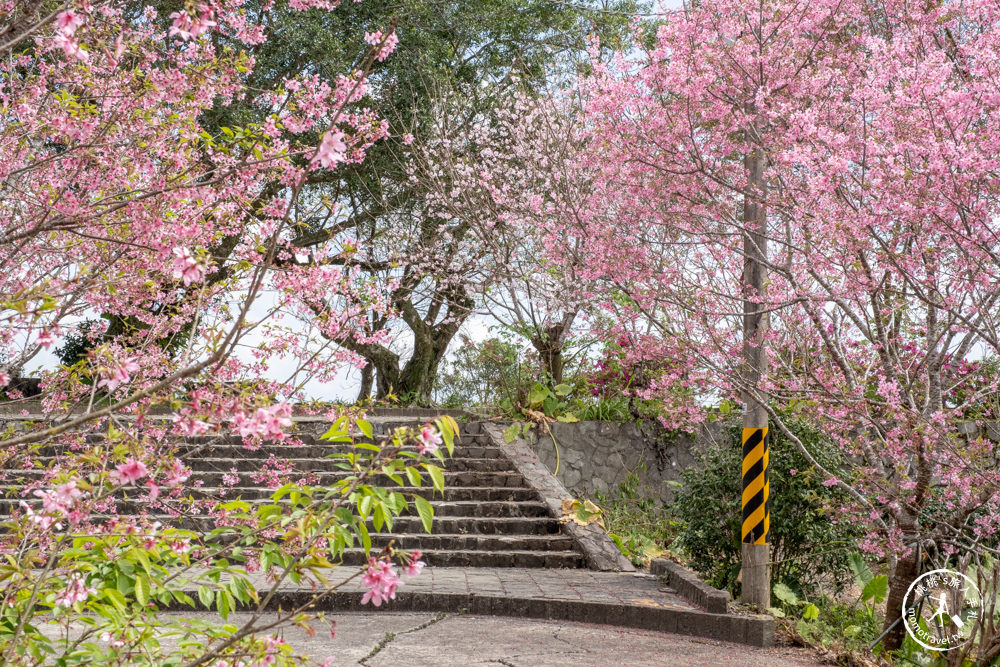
(638, 525)
(486, 373)
(807, 547)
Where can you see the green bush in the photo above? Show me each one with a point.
(638, 525)
(807, 548)
(485, 373)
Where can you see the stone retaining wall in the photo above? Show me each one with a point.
(599, 456)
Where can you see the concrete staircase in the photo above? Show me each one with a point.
(489, 515)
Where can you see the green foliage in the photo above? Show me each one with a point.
(488, 373)
(601, 408)
(807, 547)
(497, 373)
(76, 344)
(640, 526)
(849, 627)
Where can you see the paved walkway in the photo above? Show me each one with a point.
(387, 639)
(630, 600)
(535, 583)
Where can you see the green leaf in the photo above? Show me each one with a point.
(511, 432)
(786, 595)
(777, 613)
(222, 599)
(366, 539)
(811, 612)
(183, 598)
(236, 506)
(115, 597)
(437, 477)
(206, 596)
(876, 589)
(414, 476)
(337, 431)
(365, 506)
(538, 394)
(425, 511)
(366, 428)
(862, 574)
(568, 418)
(563, 389)
(142, 589)
(143, 559)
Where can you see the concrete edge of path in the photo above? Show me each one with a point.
(752, 630)
(689, 586)
(600, 552)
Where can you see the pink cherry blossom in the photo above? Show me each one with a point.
(71, 47)
(186, 267)
(129, 472)
(429, 439)
(189, 426)
(187, 27)
(381, 581)
(331, 149)
(60, 500)
(68, 21)
(177, 474)
(76, 591)
(388, 43)
(119, 374)
(46, 339)
(413, 565)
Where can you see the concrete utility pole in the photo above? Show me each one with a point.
(756, 487)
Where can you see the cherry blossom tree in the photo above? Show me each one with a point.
(117, 201)
(872, 130)
(511, 176)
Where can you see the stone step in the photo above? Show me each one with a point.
(306, 465)
(460, 542)
(462, 451)
(442, 508)
(488, 516)
(255, 464)
(477, 493)
(308, 451)
(476, 558)
(409, 525)
(214, 478)
(303, 438)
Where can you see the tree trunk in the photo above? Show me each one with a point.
(549, 345)
(551, 357)
(418, 376)
(554, 363)
(367, 380)
(414, 382)
(906, 571)
(386, 367)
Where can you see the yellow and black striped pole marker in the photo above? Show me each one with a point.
(756, 487)
(756, 531)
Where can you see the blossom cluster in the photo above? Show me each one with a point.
(381, 580)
